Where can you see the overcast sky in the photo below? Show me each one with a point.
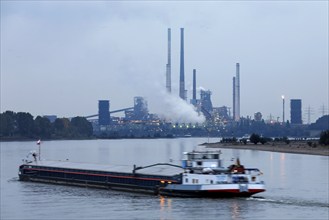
(61, 57)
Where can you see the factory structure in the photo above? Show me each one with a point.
(138, 121)
(296, 111)
(204, 104)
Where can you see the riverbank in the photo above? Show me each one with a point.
(22, 139)
(298, 147)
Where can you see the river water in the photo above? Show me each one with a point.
(297, 184)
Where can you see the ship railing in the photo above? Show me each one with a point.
(153, 165)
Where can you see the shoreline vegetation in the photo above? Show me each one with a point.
(295, 147)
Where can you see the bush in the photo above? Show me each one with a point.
(264, 140)
(324, 138)
(254, 138)
(286, 140)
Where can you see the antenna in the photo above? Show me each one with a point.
(309, 112)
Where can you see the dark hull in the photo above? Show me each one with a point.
(96, 178)
(91, 184)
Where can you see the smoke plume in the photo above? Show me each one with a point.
(170, 107)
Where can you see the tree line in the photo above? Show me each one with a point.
(256, 138)
(23, 125)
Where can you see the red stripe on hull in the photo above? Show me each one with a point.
(253, 191)
(210, 193)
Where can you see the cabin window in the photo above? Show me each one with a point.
(211, 182)
(199, 163)
(195, 181)
(253, 178)
(186, 180)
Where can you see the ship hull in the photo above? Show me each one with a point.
(96, 179)
(215, 190)
(176, 190)
(158, 179)
(89, 184)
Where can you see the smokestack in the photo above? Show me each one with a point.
(181, 75)
(168, 66)
(237, 93)
(234, 99)
(194, 84)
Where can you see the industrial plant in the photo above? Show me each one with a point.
(218, 121)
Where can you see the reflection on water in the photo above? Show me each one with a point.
(165, 207)
(282, 167)
(235, 210)
(165, 203)
(277, 168)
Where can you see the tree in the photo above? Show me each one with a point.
(62, 128)
(321, 123)
(264, 140)
(254, 138)
(324, 138)
(21, 125)
(25, 124)
(42, 127)
(81, 127)
(7, 124)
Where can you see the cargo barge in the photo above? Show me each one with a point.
(201, 175)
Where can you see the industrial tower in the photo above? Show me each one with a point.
(194, 100)
(182, 94)
(236, 94)
(234, 98)
(194, 84)
(296, 111)
(168, 66)
(104, 112)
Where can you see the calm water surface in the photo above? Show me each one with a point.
(297, 185)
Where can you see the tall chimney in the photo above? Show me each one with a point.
(234, 99)
(237, 93)
(168, 66)
(181, 75)
(194, 84)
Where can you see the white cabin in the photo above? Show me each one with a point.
(201, 159)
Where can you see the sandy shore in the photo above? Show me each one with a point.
(295, 147)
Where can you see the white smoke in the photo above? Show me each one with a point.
(200, 89)
(172, 108)
(167, 106)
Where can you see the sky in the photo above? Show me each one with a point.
(61, 57)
